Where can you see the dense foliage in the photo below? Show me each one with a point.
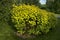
(29, 19)
(34, 2)
(53, 6)
(5, 7)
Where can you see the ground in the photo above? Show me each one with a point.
(7, 33)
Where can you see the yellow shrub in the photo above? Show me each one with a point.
(32, 20)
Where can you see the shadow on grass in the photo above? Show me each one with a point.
(10, 23)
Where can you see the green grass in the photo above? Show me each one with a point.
(7, 33)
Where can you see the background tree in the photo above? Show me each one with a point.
(5, 7)
(35, 2)
(57, 6)
(30, 2)
(53, 6)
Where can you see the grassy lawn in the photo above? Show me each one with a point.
(7, 33)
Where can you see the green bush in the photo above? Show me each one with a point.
(29, 19)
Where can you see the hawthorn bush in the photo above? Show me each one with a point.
(29, 19)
